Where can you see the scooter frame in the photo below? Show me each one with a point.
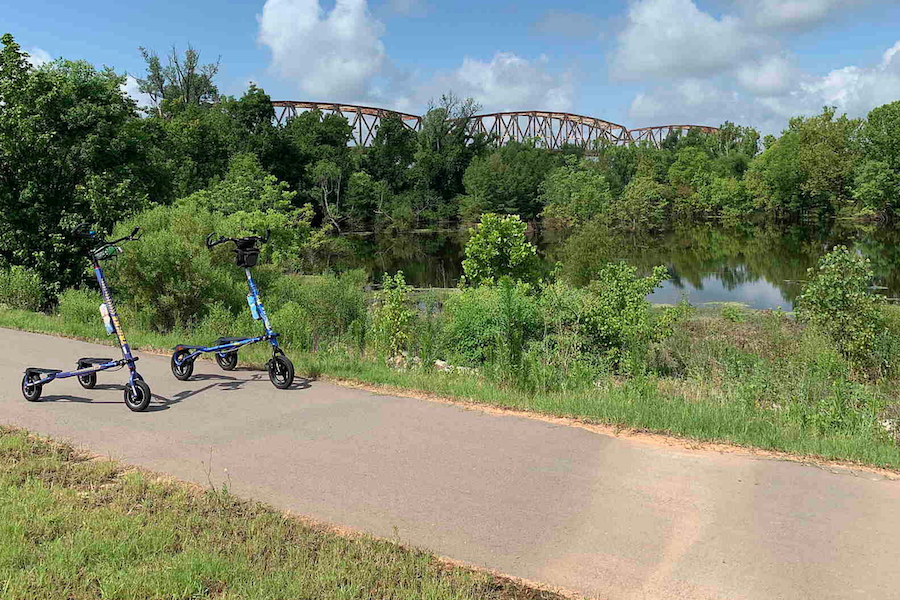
(83, 371)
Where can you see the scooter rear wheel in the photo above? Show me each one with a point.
(31, 391)
(138, 399)
(228, 361)
(88, 381)
(183, 371)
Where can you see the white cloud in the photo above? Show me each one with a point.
(853, 90)
(672, 38)
(130, 88)
(772, 75)
(38, 56)
(798, 14)
(508, 82)
(330, 55)
(568, 24)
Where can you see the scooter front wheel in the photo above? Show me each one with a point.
(281, 371)
(137, 399)
(31, 390)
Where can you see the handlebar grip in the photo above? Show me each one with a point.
(208, 241)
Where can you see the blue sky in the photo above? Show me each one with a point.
(635, 62)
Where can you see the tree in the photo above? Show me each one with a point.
(66, 156)
(183, 82)
(641, 206)
(574, 193)
(392, 153)
(497, 248)
(508, 180)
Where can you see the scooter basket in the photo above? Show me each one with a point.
(247, 258)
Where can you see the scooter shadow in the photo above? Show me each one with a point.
(226, 383)
(157, 402)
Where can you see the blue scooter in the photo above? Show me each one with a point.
(137, 392)
(280, 367)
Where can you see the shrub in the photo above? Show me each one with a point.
(611, 317)
(837, 300)
(485, 322)
(498, 248)
(169, 275)
(80, 309)
(22, 288)
(327, 308)
(392, 320)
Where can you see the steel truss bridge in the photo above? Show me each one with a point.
(552, 130)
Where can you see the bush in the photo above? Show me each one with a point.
(610, 318)
(325, 309)
(489, 321)
(837, 300)
(80, 309)
(498, 248)
(392, 320)
(22, 288)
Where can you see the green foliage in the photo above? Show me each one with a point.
(490, 322)
(182, 83)
(574, 193)
(22, 288)
(498, 248)
(610, 319)
(81, 307)
(393, 319)
(507, 181)
(67, 156)
(876, 186)
(837, 300)
(320, 311)
(169, 273)
(642, 205)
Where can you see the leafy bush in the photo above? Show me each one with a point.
(611, 317)
(315, 312)
(81, 307)
(574, 193)
(392, 320)
(484, 322)
(498, 248)
(837, 300)
(22, 288)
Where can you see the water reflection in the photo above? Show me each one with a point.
(764, 267)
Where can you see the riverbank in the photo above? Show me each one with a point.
(756, 379)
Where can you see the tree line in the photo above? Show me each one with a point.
(74, 147)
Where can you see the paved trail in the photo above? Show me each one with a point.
(607, 517)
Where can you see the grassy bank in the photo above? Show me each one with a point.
(76, 528)
(750, 378)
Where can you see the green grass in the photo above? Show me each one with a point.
(76, 528)
(758, 381)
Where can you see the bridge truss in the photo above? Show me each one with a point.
(551, 130)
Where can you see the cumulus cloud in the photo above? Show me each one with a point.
(798, 14)
(673, 38)
(853, 90)
(772, 75)
(130, 88)
(330, 55)
(38, 56)
(507, 82)
(568, 24)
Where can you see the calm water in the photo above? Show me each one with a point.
(761, 267)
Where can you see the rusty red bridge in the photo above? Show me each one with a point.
(550, 129)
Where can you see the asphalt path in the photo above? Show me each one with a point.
(608, 517)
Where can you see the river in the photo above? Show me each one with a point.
(762, 267)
